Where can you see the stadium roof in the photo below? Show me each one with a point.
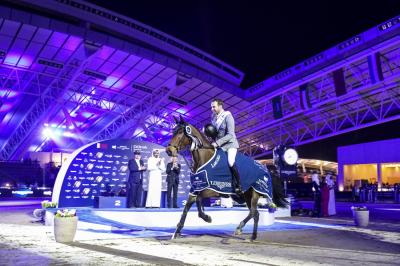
(72, 73)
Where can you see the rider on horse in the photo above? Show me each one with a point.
(257, 181)
(225, 138)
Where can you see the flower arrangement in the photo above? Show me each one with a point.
(265, 204)
(64, 213)
(359, 208)
(48, 204)
(271, 207)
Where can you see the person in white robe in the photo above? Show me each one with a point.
(332, 199)
(155, 166)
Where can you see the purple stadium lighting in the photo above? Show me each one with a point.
(109, 82)
(12, 59)
(72, 43)
(52, 133)
(120, 84)
(182, 111)
(5, 107)
(8, 94)
(25, 62)
(56, 133)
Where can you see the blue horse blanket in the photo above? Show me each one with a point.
(216, 175)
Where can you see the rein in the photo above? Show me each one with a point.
(196, 143)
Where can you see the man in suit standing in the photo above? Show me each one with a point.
(136, 169)
(316, 188)
(173, 171)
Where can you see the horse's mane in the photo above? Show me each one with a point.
(199, 134)
(204, 139)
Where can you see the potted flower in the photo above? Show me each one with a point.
(360, 215)
(65, 224)
(271, 207)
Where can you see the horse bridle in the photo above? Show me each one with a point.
(179, 144)
(196, 143)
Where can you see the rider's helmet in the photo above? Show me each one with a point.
(211, 131)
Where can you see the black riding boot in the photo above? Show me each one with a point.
(236, 180)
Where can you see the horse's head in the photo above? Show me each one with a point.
(180, 138)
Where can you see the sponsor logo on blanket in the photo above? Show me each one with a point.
(216, 161)
(220, 185)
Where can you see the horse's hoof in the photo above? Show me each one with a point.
(175, 236)
(208, 219)
(238, 232)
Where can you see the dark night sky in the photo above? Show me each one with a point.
(262, 38)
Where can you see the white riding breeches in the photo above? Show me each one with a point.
(231, 156)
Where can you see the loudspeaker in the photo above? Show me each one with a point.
(305, 102)
(375, 68)
(277, 107)
(339, 82)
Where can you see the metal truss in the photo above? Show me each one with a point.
(147, 116)
(34, 83)
(25, 81)
(365, 103)
(135, 115)
(43, 107)
(151, 112)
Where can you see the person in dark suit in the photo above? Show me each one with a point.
(316, 188)
(135, 181)
(173, 171)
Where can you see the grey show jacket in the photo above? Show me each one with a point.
(226, 137)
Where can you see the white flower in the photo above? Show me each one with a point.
(66, 213)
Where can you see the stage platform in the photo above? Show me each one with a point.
(143, 218)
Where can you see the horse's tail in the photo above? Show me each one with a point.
(278, 195)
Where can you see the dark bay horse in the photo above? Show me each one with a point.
(202, 151)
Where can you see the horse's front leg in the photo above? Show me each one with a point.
(253, 214)
(200, 209)
(191, 199)
(238, 230)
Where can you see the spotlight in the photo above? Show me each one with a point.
(47, 132)
(285, 160)
(290, 156)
